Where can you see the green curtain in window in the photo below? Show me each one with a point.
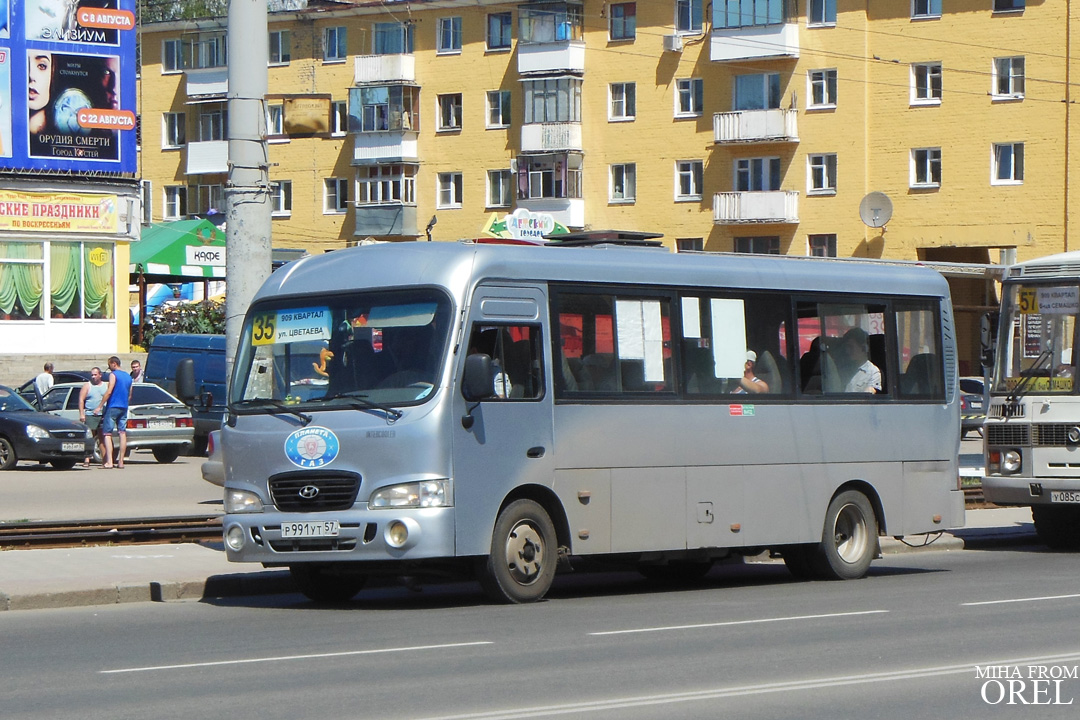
(23, 282)
(64, 288)
(97, 282)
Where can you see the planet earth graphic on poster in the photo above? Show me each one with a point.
(66, 111)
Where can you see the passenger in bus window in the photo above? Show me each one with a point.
(867, 376)
(749, 382)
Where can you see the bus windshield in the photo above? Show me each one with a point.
(1037, 339)
(368, 349)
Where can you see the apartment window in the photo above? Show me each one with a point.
(498, 109)
(688, 16)
(450, 187)
(550, 22)
(750, 13)
(1008, 164)
(449, 39)
(757, 174)
(689, 97)
(450, 111)
(926, 167)
(500, 188)
(552, 100)
(822, 88)
(1009, 77)
(377, 109)
(172, 56)
(688, 180)
(823, 245)
(335, 44)
(392, 38)
(209, 51)
(926, 83)
(211, 125)
(339, 117)
(821, 174)
(757, 91)
(623, 183)
(557, 175)
(275, 120)
(499, 26)
(623, 101)
(768, 245)
(335, 196)
(1007, 5)
(206, 199)
(925, 8)
(821, 12)
(622, 24)
(175, 202)
(280, 50)
(386, 184)
(281, 198)
(689, 244)
(173, 130)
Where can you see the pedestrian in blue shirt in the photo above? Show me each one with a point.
(115, 404)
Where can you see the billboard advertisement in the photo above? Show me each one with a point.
(67, 85)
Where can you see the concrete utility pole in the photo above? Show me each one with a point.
(247, 192)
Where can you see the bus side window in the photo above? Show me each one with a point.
(515, 353)
(919, 345)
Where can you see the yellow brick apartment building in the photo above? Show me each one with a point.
(730, 125)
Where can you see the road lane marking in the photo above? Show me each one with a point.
(697, 626)
(742, 690)
(1021, 600)
(283, 658)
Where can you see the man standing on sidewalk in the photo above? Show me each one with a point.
(43, 383)
(115, 404)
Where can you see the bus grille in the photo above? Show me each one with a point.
(293, 492)
(1053, 434)
(1007, 434)
(1007, 410)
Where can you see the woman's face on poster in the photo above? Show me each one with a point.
(40, 74)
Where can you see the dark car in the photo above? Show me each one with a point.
(26, 434)
(972, 405)
(27, 391)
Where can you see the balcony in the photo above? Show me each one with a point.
(548, 57)
(778, 207)
(551, 137)
(211, 156)
(755, 43)
(371, 148)
(756, 126)
(565, 211)
(207, 83)
(382, 220)
(385, 68)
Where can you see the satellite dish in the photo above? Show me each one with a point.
(875, 209)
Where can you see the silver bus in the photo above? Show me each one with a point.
(418, 408)
(1032, 430)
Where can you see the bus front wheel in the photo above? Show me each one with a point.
(848, 540)
(323, 585)
(521, 565)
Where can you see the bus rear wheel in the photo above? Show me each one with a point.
(848, 540)
(521, 565)
(1057, 527)
(324, 585)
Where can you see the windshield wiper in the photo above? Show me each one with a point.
(1026, 376)
(358, 400)
(276, 407)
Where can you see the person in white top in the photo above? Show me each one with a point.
(749, 382)
(43, 383)
(867, 376)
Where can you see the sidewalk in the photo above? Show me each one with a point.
(35, 579)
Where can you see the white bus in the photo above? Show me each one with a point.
(421, 408)
(1032, 430)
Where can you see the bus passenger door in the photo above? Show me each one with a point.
(508, 439)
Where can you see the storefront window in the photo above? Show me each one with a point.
(80, 280)
(22, 273)
(98, 280)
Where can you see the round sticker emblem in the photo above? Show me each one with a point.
(312, 447)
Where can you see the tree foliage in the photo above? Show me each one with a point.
(201, 318)
(162, 10)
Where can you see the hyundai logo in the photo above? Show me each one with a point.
(308, 492)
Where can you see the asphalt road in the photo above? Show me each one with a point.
(749, 642)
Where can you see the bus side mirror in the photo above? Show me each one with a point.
(185, 381)
(986, 338)
(478, 381)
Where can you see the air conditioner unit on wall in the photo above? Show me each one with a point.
(673, 43)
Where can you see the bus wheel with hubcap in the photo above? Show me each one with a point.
(323, 585)
(521, 565)
(1057, 527)
(849, 539)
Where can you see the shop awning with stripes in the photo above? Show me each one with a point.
(181, 249)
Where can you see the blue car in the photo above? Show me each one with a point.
(27, 434)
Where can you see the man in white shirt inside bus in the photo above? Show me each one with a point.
(867, 376)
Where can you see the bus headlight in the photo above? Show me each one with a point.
(426, 493)
(242, 501)
(1010, 461)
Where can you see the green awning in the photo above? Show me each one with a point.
(181, 249)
